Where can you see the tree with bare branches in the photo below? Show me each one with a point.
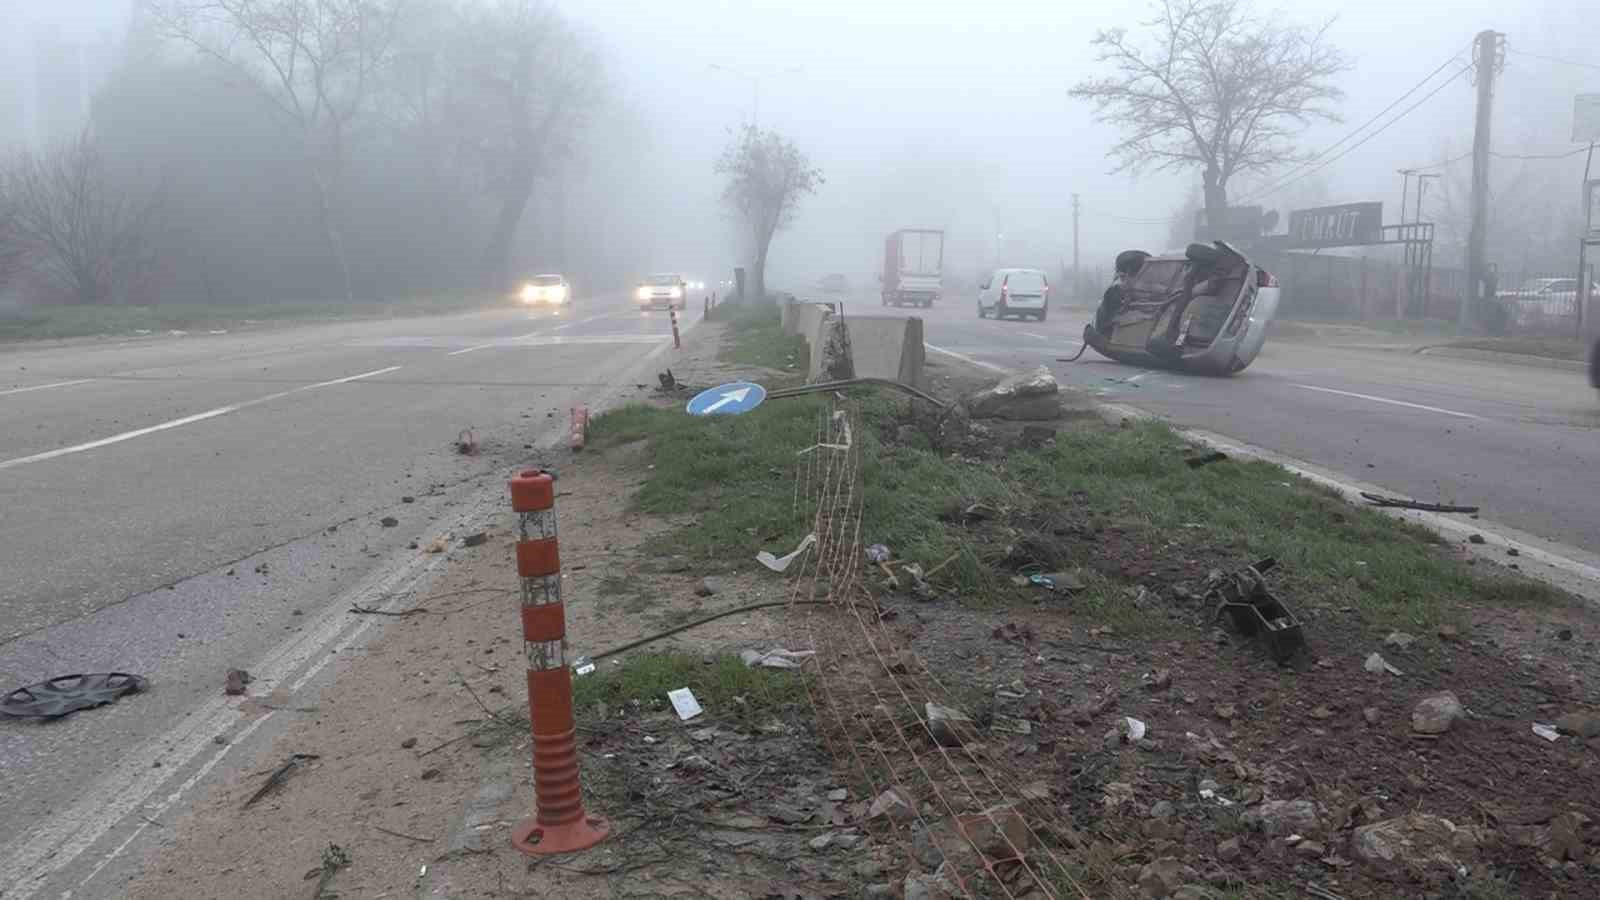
(316, 62)
(74, 225)
(527, 82)
(767, 175)
(1215, 86)
(11, 246)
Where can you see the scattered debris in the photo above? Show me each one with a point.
(388, 521)
(475, 539)
(890, 803)
(1435, 714)
(1475, 539)
(408, 499)
(1400, 503)
(948, 727)
(1417, 841)
(1399, 639)
(583, 665)
(1377, 665)
(66, 694)
(878, 553)
(781, 564)
(709, 586)
(277, 778)
(1548, 732)
(333, 859)
(776, 658)
(437, 545)
(1254, 611)
(1159, 680)
(684, 703)
(1132, 729)
(1205, 459)
(358, 609)
(234, 682)
(467, 442)
(1280, 818)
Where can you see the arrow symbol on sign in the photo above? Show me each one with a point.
(729, 397)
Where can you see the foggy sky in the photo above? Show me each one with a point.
(957, 115)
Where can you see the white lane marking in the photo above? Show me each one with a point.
(582, 339)
(1444, 412)
(969, 360)
(45, 387)
(1135, 378)
(469, 349)
(1035, 334)
(584, 321)
(186, 420)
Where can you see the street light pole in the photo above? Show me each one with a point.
(755, 86)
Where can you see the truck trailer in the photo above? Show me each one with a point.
(913, 267)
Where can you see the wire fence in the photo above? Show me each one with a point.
(953, 810)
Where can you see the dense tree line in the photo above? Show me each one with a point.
(255, 150)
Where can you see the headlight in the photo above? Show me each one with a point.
(529, 293)
(559, 292)
(643, 293)
(675, 293)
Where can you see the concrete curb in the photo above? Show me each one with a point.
(1510, 359)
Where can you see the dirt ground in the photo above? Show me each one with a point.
(1252, 779)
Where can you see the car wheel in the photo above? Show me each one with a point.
(981, 313)
(1042, 314)
(1000, 312)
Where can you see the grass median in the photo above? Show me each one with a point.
(1119, 506)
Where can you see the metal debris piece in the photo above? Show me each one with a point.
(1547, 732)
(776, 658)
(277, 778)
(66, 694)
(1402, 503)
(1255, 612)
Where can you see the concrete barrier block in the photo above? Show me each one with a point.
(887, 347)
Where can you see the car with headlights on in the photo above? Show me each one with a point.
(663, 291)
(546, 290)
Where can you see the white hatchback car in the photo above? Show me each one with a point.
(1014, 292)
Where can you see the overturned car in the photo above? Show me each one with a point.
(1204, 312)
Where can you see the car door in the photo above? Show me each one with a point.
(986, 292)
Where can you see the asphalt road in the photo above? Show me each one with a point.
(181, 505)
(1521, 442)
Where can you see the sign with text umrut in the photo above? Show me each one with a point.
(1345, 225)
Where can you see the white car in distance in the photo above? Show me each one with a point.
(546, 290)
(1014, 292)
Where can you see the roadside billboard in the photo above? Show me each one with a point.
(1345, 225)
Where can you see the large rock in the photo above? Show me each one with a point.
(1417, 841)
(949, 727)
(1025, 396)
(999, 831)
(1284, 817)
(1165, 877)
(1435, 714)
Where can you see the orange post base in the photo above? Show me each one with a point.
(540, 840)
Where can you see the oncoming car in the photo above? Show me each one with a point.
(665, 291)
(546, 290)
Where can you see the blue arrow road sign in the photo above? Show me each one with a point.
(727, 399)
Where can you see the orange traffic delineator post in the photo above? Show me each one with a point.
(559, 823)
(580, 427)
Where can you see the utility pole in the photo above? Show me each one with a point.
(1486, 57)
(1422, 187)
(1405, 191)
(1077, 271)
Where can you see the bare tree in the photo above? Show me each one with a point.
(767, 176)
(528, 82)
(11, 245)
(317, 62)
(1216, 88)
(89, 236)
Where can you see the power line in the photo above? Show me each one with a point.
(1306, 167)
(1293, 177)
(1541, 156)
(1554, 59)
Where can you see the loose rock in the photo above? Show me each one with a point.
(1280, 818)
(709, 587)
(1435, 714)
(1162, 878)
(1417, 841)
(891, 804)
(1229, 850)
(1582, 724)
(949, 727)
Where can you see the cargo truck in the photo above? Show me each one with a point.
(913, 267)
